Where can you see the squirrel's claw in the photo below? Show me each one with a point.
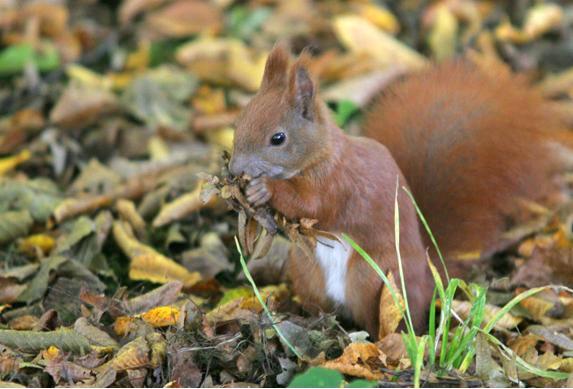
(258, 192)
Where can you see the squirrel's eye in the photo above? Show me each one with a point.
(278, 139)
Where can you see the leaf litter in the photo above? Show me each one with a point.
(117, 213)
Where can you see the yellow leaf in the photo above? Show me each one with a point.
(127, 211)
(380, 17)
(44, 243)
(161, 316)
(123, 325)
(223, 137)
(542, 18)
(209, 101)
(133, 355)
(389, 313)
(146, 263)
(443, 35)
(120, 81)
(10, 163)
(244, 69)
(51, 353)
(157, 148)
(87, 77)
(181, 207)
(139, 59)
(224, 60)
(566, 365)
(360, 36)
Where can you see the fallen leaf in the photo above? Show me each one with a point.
(129, 9)
(224, 61)
(360, 35)
(40, 242)
(358, 360)
(14, 224)
(148, 264)
(552, 336)
(181, 207)
(161, 316)
(80, 106)
(10, 163)
(34, 341)
(183, 18)
(380, 17)
(156, 97)
(507, 321)
(128, 212)
(390, 314)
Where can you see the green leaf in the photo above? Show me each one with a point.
(39, 197)
(243, 22)
(317, 377)
(33, 341)
(39, 284)
(344, 111)
(14, 58)
(14, 224)
(158, 97)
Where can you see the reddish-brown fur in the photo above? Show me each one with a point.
(470, 145)
(467, 145)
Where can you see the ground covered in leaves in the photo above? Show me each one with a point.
(118, 270)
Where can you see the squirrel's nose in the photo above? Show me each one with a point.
(235, 166)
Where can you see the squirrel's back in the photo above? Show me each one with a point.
(470, 146)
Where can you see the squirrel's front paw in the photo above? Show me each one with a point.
(258, 192)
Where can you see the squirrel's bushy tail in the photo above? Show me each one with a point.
(470, 146)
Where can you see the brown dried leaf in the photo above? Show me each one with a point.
(96, 336)
(164, 295)
(183, 18)
(358, 360)
(129, 9)
(79, 106)
(507, 322)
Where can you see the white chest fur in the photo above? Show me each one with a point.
(333, 256)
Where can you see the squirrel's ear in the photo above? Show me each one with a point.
(276, 66)
(301, 88)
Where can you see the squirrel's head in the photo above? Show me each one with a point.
(281, 131)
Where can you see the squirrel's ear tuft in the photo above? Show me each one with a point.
(302, 88)
(276, 66)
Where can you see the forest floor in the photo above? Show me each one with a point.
(115, 272)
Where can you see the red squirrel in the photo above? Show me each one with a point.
(466, 144)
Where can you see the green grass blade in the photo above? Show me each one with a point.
(399, 256)
(429, 231)
(446, 317)
(507, 307)
(432, 330)
(555, 375)
(419, 360)
(262, 302)
(497, 317)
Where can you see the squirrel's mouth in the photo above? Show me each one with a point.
(282, 174)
